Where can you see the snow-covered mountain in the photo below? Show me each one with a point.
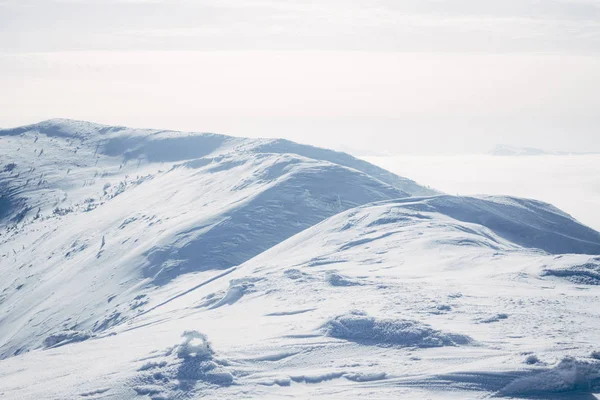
(508, 150)
(96, 215)
(169, 265)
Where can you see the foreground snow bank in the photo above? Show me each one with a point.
(570, 375)
(584, 274)
(358, 327)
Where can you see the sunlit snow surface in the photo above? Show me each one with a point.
(160, 269)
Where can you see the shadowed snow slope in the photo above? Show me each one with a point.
(529, 223)
(166, 265)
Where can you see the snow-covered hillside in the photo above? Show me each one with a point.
(96, 219)
(163, 265)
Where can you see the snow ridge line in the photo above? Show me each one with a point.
(214, 278)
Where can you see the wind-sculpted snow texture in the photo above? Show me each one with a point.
(528, 223)
(93, 216)
(166, 265)
(359, 327)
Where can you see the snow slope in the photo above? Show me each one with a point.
(94, 218)
(239, 269)
(384, 301)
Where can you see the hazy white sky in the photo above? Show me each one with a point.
(381, 75)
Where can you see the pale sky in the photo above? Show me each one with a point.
(380, 76)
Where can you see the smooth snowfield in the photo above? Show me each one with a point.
(240, 269)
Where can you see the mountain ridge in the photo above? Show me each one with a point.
(151, 206)
(171, 265)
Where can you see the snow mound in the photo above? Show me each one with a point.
(65, 337)
(194, 345)
(357, 326)
(182, 368)
(570, 375)
(584, 274)
(335, 279)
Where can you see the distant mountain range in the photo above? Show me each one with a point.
(507, 150)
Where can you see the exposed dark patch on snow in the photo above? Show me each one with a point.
(127, 221)
(138, 302)
(113, 319)
(76, 247)
(9, 167)
(532, 359)
(358, 327)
